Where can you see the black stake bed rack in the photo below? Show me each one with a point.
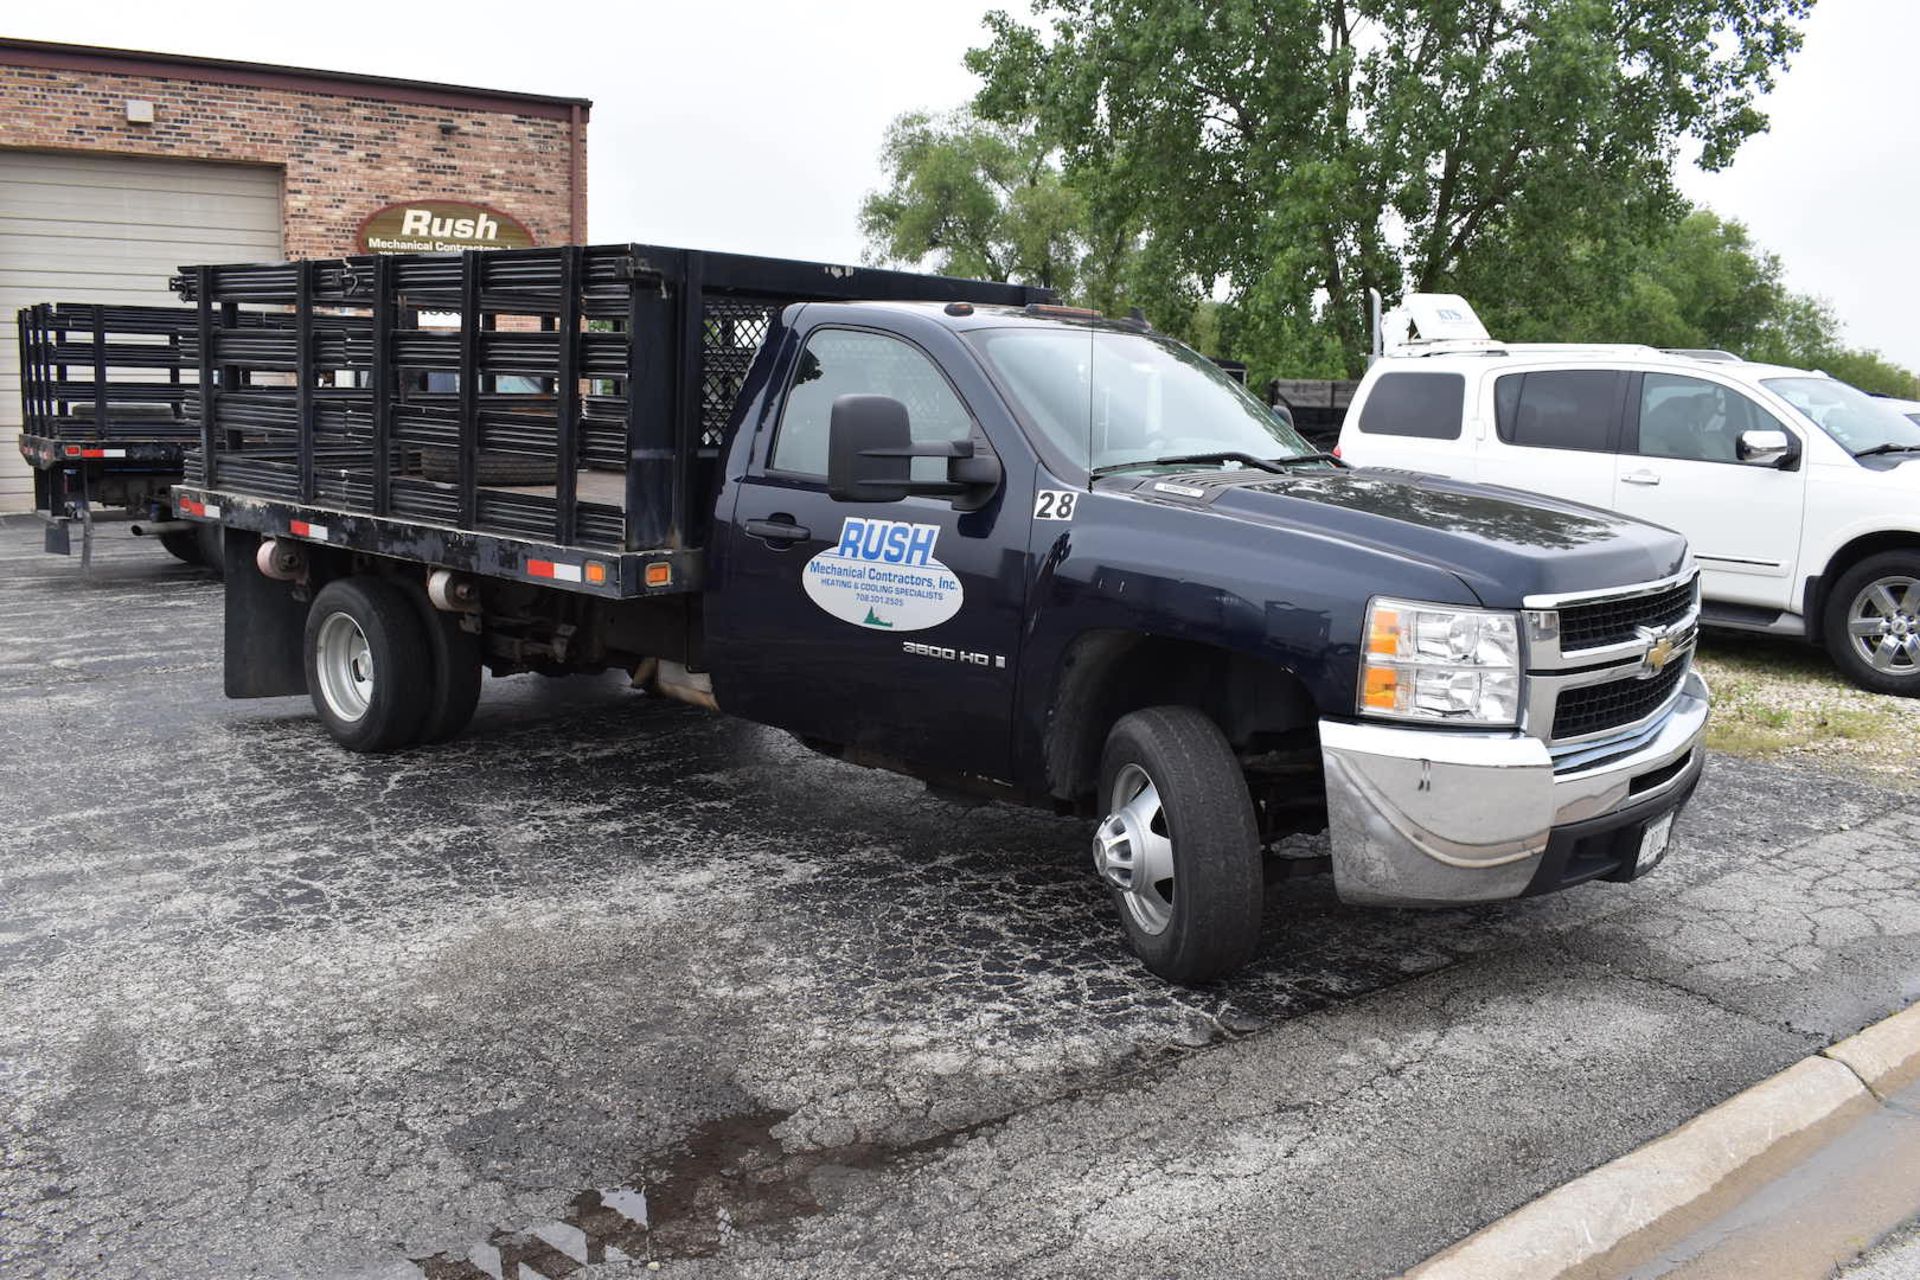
(105, 422)
(544, 414)
(100, 382)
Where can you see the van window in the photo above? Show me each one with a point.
(1682, 417)
(1423, 405)
(1558, 408)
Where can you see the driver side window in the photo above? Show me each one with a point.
(840, 362)
(1695, 420)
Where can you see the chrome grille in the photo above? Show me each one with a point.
(1596, 708)
(1609, 622)
(1606, 663)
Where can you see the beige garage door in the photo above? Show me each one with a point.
(80, 228)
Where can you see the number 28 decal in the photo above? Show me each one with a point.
(1054, 504)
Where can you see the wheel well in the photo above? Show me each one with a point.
(1262, 708)
(1872, 544)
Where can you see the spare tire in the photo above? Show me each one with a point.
(491, 467)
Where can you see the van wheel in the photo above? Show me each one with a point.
(1872, 625)
(454, 655)
(1179, 846)
(369, 667)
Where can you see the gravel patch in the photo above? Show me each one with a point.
(1780, 698)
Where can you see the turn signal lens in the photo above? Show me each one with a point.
(1383, 686)
(659, 574)
(1383, 631)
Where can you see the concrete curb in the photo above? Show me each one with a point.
(1570, 1230)
(1886, 1056)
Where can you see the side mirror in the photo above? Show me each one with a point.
(1764, 448)
(870, 453)
(868, 450)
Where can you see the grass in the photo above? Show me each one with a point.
(1777, 698)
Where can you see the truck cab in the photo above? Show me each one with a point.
(1021, 552)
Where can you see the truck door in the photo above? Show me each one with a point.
(887, 627)
(1680, 466)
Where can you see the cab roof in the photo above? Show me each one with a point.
(975, 315)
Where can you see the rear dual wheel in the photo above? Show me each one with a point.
(199, 545)
(385, 669)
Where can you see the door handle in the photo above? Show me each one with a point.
(780, 528)
(1641, 477)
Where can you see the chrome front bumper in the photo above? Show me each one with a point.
(1420, 817)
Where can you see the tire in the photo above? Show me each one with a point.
(1879, 599)
(184, 545)
(213, 549)
(1208, 839)
(454, 656)
(369, 667)
(490, 467)
(199, 545)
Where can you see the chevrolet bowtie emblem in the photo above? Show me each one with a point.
(1662, 647)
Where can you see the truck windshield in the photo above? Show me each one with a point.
(1110, 399)
(1860, 423)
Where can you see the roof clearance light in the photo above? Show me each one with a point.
(1063, 313)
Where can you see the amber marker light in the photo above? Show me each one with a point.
(659, 574)
(1383, 633)
(1383, 689)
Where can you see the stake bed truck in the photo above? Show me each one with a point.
(103, 424)
(943, 527)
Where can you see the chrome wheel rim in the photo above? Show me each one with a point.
(1883, 625)
(344, 663)
(1133, 849)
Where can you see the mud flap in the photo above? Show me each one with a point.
(266, 626)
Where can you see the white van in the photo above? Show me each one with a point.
(1799, 494)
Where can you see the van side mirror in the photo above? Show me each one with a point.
(870, 453)
(1765, 448)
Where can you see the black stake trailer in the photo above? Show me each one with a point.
(103, 395)
(943, 527)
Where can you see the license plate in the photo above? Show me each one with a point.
(1653, 843)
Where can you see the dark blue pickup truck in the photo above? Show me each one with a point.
(1016, 550)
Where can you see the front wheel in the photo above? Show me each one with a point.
(369, 667)
(1179, 846)
(1873, 623)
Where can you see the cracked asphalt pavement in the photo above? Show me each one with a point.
(610, 984)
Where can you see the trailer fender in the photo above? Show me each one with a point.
(265, 628)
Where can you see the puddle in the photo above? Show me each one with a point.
(728, 1175)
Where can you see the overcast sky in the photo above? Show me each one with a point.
(755, 126)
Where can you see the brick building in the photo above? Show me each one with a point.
(117, 167)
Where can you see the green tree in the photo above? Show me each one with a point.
(1296, 153)
(973, 199)
(1700, 282)
(1805, 333)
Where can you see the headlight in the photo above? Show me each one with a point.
(1437, 662)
